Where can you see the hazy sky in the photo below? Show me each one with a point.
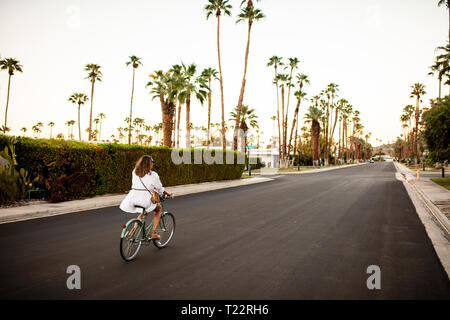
(374, 49)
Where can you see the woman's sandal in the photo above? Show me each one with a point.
(155, 235)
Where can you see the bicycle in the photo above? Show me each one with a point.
(135, 233)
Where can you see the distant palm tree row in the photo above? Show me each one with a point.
(320, 116)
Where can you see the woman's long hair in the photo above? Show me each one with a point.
(143, 166)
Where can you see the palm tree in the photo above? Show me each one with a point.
(24, 130)
(275, 62)
(441, 66)
(330, 92)
(302, 79)
(36, 130)
(293, 64)
(250, 14)
(209, 74)
(166, 87)
(135, 62)
(51, 125)
(94, 74)
(283, 80)
(418, 90)
(71, 123)
(314, 115)
(447, 4)
(192, 85)
(300, 95)
(248, 120)
(217, 7)
(80, 99)
(96, 121)
(101, 116)
(12, 65)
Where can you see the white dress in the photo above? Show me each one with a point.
(141, 197)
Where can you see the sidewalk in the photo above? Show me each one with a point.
(47, 209)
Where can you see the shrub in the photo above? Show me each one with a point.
(71, 170)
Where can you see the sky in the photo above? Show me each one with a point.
(375, 50)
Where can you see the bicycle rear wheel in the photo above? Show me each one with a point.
(166, 230)
(131, 241)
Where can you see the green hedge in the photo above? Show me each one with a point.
(72, 170)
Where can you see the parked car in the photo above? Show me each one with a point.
(371, 161)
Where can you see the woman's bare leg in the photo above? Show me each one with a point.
(156, 218)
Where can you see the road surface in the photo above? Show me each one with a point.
(309, 236)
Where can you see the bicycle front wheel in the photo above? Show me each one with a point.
(166, 229)
(130, 243)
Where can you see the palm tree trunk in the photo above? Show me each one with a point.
(326, 134)
(209, 114)
(79, 126)
(334, 126)
(224, 141)
(92, 104)
(440, 85)
(188, 122)
(167, 110)
(278, 113)
(131, 110)
(283, 146)
(241, 95)
(100, 130)
(7, 103)
(415, 139)
(296, 135)
(292, 128)
(178, 124)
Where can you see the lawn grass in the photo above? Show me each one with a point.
(444, 182)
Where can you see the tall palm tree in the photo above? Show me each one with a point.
(192, 85)
(331, 90)
(441, 67)
(51, 124)
(94, 74)
(293, 64)
(447, 4)
(12, 65)
(209, 74)
(418, 91)
(283, 80)
(300, 95)
(248, 120)
(219, 7)
(249, 14)
(275, 62)
(166, 87)
(24, 130)
(313, 116)
(135, 62)
(80, 99)
(302, 79)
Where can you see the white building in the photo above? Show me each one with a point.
(269, 157)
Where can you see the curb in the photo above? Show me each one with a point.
(55, 209)
(441, 219)
(436, 232)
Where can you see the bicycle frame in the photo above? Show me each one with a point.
(143, 225)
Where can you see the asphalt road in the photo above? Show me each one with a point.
(298, 237)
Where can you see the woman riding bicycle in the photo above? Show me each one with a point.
(145, 182)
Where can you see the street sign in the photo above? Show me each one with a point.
(250, 147)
